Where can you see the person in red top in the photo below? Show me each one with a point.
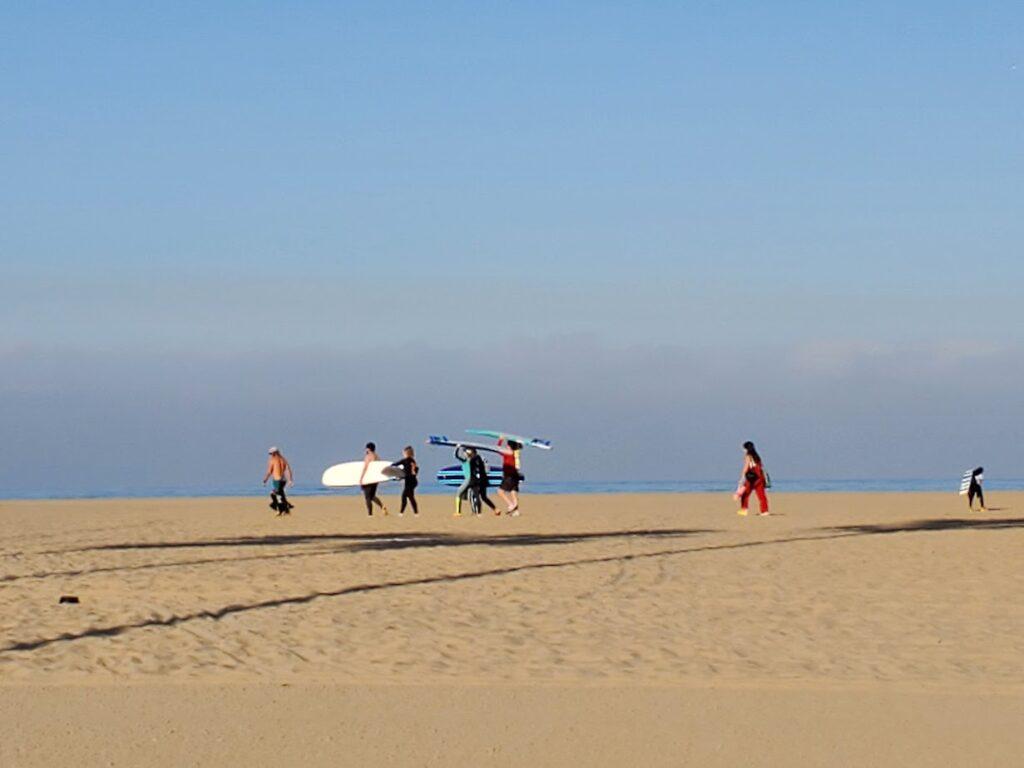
(510, 476)
(752, 480)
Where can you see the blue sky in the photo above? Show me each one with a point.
(785, 197)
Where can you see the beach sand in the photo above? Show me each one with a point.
(845, 629)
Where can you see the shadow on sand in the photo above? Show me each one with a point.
(229, 610)
(379, 541)
(938, 524)
(348, 543)
(427, 539)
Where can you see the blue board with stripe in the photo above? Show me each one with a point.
(453, 476)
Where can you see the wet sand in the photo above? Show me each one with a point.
(852, 629)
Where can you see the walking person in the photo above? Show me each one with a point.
(974, 489)
(463, 455)
(478, 482)
(279, 468)
(511, 475)
(370, 489)
(753, 479)
(410, 472)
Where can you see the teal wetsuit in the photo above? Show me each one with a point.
(463, 458)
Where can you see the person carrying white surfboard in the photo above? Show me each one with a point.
(281, 470)
(370, 489)
(511, 475)
(972, 481)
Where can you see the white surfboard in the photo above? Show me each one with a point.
(446, 442)
(535, 442)
(347, 475)
(965, 481)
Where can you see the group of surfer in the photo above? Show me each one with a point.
(477, 480)
(474, 486)
(754, 480)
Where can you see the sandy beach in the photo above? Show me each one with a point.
(845, 629)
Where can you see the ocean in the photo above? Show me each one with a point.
(950, 485)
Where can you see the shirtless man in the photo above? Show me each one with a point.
(281, 470)
(370, 489)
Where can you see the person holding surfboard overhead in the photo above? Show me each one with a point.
(463, 455)
(410, 470)
(281, 470)
(370, 489)
(511, 475)
(753, 479)
(510, 447)
(478, 483)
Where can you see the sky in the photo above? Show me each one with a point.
(647, 231)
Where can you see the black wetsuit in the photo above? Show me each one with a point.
(478, 481)
(974, 490)
(409, 467)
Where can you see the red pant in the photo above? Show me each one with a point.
(758, 488)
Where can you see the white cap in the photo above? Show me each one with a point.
(272, 450)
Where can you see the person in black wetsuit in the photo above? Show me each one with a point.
(975, 488)
(410, 471)
(478, 482)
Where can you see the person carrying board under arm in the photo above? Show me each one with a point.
(974, 489)
(279, 468)
(370, 489)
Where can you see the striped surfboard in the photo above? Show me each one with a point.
(453, 476)
(965, 481)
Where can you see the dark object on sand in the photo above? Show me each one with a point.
(72, 599)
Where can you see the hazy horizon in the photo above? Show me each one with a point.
(648, 234)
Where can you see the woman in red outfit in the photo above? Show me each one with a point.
(752, 480)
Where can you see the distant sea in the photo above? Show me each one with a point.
(572, 487)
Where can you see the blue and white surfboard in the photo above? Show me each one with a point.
(453, 476)
(447, 442)
(965, 481)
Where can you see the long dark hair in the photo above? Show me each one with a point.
(752, 452)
